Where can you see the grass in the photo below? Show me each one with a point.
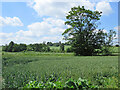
(20, 68)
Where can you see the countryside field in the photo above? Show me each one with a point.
(19, 68)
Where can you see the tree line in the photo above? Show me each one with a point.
(38, 47)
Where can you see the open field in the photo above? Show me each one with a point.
(22, 67)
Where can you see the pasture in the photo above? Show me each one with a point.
(21, 67)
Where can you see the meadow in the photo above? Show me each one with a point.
(19, 68)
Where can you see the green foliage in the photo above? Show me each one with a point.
(37, 47)
(19, 47)
(58, 84)
(5, 48)
(69, 50)
(110, 36)
(56, 44)
(23, 47)
(82, 33)
(16, 48)
(48, 49)
(108, 46)
(10, 46)
(106, 81)
(62, 47)
(29, 47)
(49, 43)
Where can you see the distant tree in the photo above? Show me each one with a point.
(5, 48)
(10, 46)
(56, 44)
(59, 43)
(40, 47)
(49, 43)
(108, 46)
(16, 48)
(67, 43)
(37, 47)
(23, 47)
(62, 47)
(48, 49)
(29, 47)
(110, 37)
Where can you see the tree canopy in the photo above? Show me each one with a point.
(83, 33)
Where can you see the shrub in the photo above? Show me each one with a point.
(58, 84)
(69, 50)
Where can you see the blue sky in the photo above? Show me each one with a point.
(18, 9)
(35, 22)
(110, 21)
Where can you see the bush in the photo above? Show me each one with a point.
(69, 50)
(58, 84)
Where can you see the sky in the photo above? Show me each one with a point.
(43, 20)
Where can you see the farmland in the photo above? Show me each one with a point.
(59, 45)
(21, 67)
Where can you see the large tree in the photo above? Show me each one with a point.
(83, 33)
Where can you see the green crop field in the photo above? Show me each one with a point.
(22, 67)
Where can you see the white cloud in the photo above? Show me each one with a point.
(27, 40)
(50, 29)
(52, 38)
(57, 9)
(5, 35)
(49, 26)
(60, 8)
(8, 21)
(104, 7)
